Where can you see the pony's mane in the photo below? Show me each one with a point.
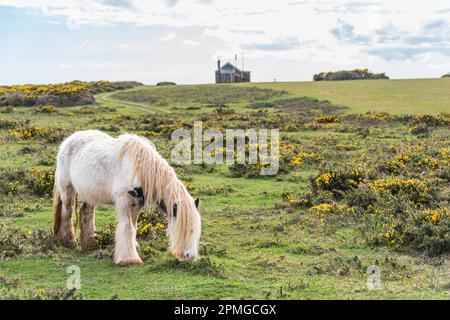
(159, 182)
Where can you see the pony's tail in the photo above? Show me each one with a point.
(57, 207)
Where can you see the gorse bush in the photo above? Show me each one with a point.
(440, 120)
(419, 129)
(41, 181)
(397, 198)
(429, 231)
(292, 155)
(327, 119)
(104, 238)
(421, 230)
(50, 135)
(34, 181)
(62, 94)
(45, 109)
(338, 180)
(11, 243)
(417, 191)
(7, 124)
(151, 224)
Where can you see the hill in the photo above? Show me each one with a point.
(393, 96)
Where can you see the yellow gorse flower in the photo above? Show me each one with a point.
(434, 216)
(325, 208)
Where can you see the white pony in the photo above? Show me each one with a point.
(128, 172)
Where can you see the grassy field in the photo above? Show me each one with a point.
(393, 96)
(354, 190)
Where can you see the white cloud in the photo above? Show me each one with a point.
(91, 65)
(326, 33)
(189, 42)
(124, 46)
(168, 37)
(64, 66)
(246, 24)
(52, 22)
(85, 44)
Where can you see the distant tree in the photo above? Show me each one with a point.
(357, 74)
(447, 75)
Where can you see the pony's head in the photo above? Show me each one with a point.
(183, 226)
(161, 185)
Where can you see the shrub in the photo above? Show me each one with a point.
(357, 74)
(50, 135)
(440, 120)
(420, 129)
(105, 237)
(415, 190)
(151, 224)
(41, 181)
(45, 109)
(10, 243)
(327, 208)
(428, 233)
(338, 180)
(35, 181)
(363, 197)
(425, 231)
(166, 83)
(327, 119)
(7, 124)
(60, 94)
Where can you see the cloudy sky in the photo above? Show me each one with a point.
(180, 40)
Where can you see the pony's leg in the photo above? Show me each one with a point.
(87, 224)
(66, 231)
(135, 211)
(125, 252)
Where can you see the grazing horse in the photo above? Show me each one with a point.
(129, 173)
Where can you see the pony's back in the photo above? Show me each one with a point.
(86, 162)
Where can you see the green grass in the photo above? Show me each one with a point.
(416, 96)
(393, 96)
(257, 249)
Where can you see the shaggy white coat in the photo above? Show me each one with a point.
(100, 169)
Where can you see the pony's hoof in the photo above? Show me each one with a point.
(129, 262)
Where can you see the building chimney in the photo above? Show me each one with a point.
(218, 64)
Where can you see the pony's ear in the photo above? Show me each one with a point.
(197, 202)
(162, 205)
(175, 207)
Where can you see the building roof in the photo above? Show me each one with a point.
(229, 66)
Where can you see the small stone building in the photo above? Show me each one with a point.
(230, 74)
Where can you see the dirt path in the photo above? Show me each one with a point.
(107, 98)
